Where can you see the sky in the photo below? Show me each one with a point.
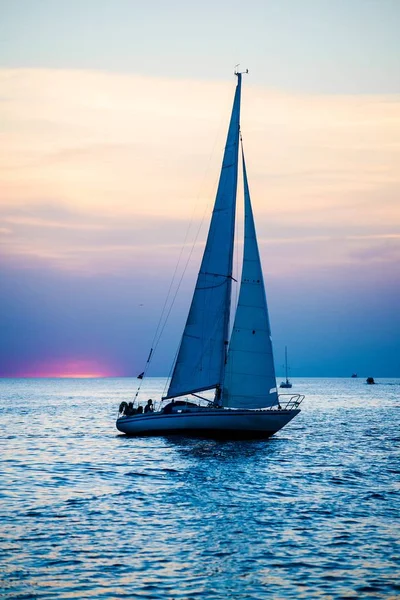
(113, 117)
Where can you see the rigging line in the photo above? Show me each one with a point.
(183, 273)
(195, 240)
(178, 287)
(192, 219)
(206, 210)
(175, 271)
(168, 379)
(154, 344)
(177, 290)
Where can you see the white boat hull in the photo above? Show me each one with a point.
(209, 422)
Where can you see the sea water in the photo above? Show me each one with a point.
(87, 512)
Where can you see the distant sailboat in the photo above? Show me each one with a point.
(286, 383)
(241, 371)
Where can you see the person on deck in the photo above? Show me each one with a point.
(130, 410)
(149, 406)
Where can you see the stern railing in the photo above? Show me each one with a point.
(289, 401)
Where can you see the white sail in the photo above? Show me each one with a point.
(250, 373)
(201, 357)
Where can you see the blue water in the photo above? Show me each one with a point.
(89, 513)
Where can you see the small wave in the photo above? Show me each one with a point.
(73, 501)
(63, 561)
(34, 513)
(374, 496)
(338, 481)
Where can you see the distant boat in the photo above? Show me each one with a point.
(286, 383)
(370, 380)
(354, 376)
(241, 371)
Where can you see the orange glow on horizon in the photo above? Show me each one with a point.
(77, 376)
(70, 369)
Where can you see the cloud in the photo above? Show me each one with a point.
(104, 172)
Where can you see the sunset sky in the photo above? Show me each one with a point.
(113, 117)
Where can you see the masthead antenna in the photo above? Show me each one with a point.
(237, 72)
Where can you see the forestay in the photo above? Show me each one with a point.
(201, 356)
(250, 373)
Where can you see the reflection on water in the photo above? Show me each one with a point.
(225, 450)
(88, 513)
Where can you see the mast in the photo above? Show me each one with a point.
(286, 363)
(201, 357)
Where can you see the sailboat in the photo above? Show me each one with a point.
(286, 383)
(239, 371)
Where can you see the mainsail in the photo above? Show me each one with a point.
(250, 373)
(202, 353)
